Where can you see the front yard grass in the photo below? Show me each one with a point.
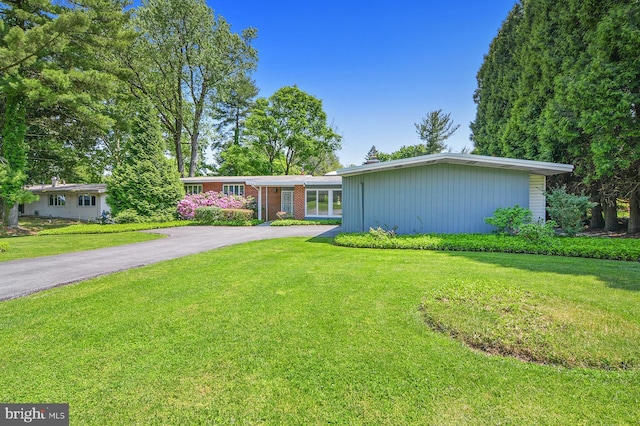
(297, 332)
(47, 245)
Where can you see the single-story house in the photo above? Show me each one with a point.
(69, 201)
(303, 196)
(442, 193)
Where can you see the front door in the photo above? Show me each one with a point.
(287, 202)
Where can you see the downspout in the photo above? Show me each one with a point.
(259, 189)
(266, 203)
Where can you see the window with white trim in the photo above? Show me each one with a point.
(233, 189)
(57, 200)
(193, 189)
(86, 200)
(323, 202)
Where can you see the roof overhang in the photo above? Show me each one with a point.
(279, 181)
(533, 167)
(99, 188)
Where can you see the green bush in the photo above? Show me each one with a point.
(4, 246)
(210, 215)
(568, 210)
(128, 216)
(537, 231)
(508, 220)
(380, 232)
(207, 214)
(295, 222)
(237, 214)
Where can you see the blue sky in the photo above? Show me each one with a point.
(378, 67)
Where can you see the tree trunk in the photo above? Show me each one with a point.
(9, 214)
(610, 215)
(177, 142)
(634, 212)
(193, 163)
(597, 221)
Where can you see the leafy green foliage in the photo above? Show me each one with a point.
(289, 132)
(537, 231)
(589, 247)
(144, 180)
(561, 83)
(294, 222)
(4, 246)
(185, 60)
(508, 220)
(209, 215)
(568, 210)
(381, 233)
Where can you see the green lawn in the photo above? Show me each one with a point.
(46, 245)
(294, 332)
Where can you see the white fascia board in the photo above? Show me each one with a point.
(534, 167)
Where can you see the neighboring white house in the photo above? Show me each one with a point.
(69, 201)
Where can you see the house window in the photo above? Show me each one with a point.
(57, 200)
(86, 200)
(323, 202)
(193, 189)
(233, 189)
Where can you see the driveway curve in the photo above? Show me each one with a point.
(21, 277)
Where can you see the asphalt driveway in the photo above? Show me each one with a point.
(21, 277)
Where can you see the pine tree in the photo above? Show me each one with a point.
(145, 181)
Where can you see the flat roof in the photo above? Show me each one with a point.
(70, 187)
(533, 167)
(287, 180)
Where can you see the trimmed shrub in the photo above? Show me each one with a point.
(295, 222)
(128, 216)
(207, 214)
(508, 220)
(589, 247)
(568, 210)
(210, 215)
(188, 205)
(4, 246)
(537, 232)
(237, 214)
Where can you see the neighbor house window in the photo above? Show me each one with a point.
(193, 189)
(323, 202)
(57, 200)
(233, 189)
(86, 200)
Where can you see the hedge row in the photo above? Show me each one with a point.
(292, 222)
(589, 247)
(210, 215)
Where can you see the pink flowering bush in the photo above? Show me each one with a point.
(188, 205)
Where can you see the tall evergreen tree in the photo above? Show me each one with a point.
(144, 180)
(55, 67)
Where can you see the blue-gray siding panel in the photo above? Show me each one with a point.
(439, 198)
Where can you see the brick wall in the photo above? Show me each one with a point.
(298, 202)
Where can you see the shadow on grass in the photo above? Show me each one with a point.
(327, 236)
(616, 274)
